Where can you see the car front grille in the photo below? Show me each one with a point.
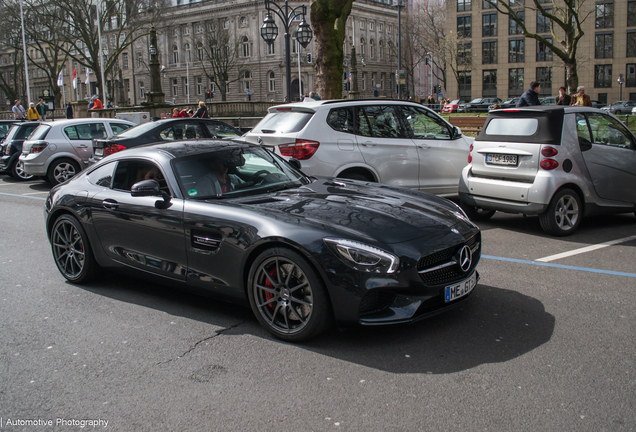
(442, 267)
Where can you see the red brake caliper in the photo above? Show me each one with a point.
(268, 284)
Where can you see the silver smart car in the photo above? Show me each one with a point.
(561, 163)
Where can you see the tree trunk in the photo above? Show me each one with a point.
(572, 76)
(328, 21)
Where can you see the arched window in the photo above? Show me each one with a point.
(175, 54)
(246, 46)
(188, 59)
(272, 81)
(371, 49)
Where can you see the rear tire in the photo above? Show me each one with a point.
(476, 213)
(563, 215)
(18, 171)
(62, 170)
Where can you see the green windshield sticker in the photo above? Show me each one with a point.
(193, 192)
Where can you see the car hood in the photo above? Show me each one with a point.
(368, 211)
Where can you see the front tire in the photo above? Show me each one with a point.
(563, 215)
(287, 296)
(72, 251)
(18, 171)
(62, 170)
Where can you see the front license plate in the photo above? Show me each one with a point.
(501, 159)
(461, 289)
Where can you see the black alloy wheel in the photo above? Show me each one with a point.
(287, 296)
(71, 250)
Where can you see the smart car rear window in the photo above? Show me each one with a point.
(539, 126)
(517, 127)
(283, 122)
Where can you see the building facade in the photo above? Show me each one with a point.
(504, 62)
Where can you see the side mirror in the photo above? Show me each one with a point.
(295, 163)
(146, 188)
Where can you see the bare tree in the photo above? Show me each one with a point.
(415, 45)
(432, 19)
(220, 57)
(458, 56)
(328, 21)
(12, 80)
(566, 16)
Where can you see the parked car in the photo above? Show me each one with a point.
(561, 163)
(510, 102)
(481, 104)
(58, 150)
(620, 107)
(12, 147)
(549, 100)
(163, 130)
(299, 250)
(394, 142)
(598, 104)
(5, 125)
(453, 106)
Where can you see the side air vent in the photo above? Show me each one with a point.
(205, 241)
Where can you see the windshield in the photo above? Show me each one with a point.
(138, 130)
(283, 122)
(234, 171)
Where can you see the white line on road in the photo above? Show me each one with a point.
(36, 193)
(585, 249)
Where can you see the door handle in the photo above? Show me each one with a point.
(424, 146)
(368, 144)
(110, 204)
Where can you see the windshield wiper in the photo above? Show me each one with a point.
(277, 188)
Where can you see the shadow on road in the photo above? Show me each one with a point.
(494, 325)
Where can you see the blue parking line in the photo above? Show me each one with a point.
(22, 196)
(567, 267)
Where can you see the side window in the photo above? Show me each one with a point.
(609, 131)
(182, 131)
(582, 129)
(425, 125)
(218, 130)
(119, 127)
(341, 120)
(90, 131)
(102, 176)
(71, 133)
(383, 121)
(130, 172)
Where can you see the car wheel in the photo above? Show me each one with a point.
(476, 213)
(71, 250)
(563, 215)
(18, 171)
(62, 170)
(287, 296)
(618, 112)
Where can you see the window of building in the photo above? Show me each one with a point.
(516, 51)
(272, 81)
(362, 44)
(381, 49)
(244, 21)
(464, 26)
(200, 51)
(514, 3)
(140, 60)
(543, 23)
(464, 51)
(199, 85)
(199, 28)
(142, 90)
(186, 87)
(604, 14)
(124, 58)
(631, 44)
(389, 29)
(371, 48)
(175, 87)
(187, 53)
(489, 25)
(175, 54)
(371, 25)
(489, 52)
(486, 5)
(513, 27)
(246, 46)
(602, 76)
(631, 13)
(380, 28)
(490, 83)
(630, 75)
(364, 81)
(604, 45)
(515, 82)
(226, 24)
(543, 52)
(361, 24)
(247, 79)
(464, 5)
(544, 76)
(465, 84)
(186, 30)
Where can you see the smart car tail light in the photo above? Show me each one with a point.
(301, 150)
(113, 148)
(549, 164)
(549, 152)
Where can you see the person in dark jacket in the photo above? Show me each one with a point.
(202, 112)
(531, 96)
(69, 111)
(563, 98)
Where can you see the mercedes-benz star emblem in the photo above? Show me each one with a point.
(465, 258)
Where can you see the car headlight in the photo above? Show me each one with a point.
(363, 257)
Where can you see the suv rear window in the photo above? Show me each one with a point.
(283, 122)
(523, 126)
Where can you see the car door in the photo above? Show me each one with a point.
(81, 136)
(140, 232)
(441, 155)
(610, 156)
(386, 147)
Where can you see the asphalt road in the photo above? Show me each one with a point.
(540, 346)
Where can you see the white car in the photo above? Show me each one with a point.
(59, 150)
(394, 142)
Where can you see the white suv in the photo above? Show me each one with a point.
(387, 141)
(59, 150)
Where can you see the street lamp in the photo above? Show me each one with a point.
(621, 80)
(269, 31)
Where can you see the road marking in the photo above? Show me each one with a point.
(561, 266)
(22, 196)
(585, 249)
(35, 193)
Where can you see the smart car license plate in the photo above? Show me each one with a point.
(501, 159)
(453, 292)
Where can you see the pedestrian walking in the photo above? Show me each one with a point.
(18, 110)
(41, 107)
(33, 113)
(531, 96)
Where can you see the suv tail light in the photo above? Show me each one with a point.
(37, 148)
(301, 150)
(470, 153)
(113, 148)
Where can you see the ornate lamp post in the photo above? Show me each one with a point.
(269, 31)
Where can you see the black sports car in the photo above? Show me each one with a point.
(237, 221)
